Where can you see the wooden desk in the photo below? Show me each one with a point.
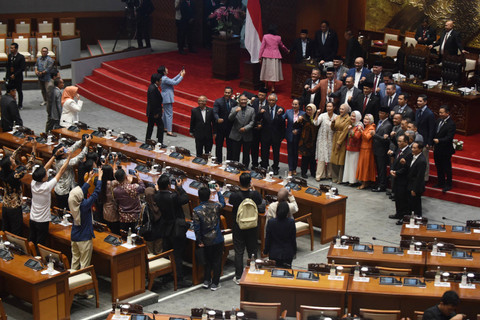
(464, 109)
(156, 316)
(378, 258)
(292, 293)
(327, 214)
(448, 263)
(47, 294)
(422, 234)
(372, 295)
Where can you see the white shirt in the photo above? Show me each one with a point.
(358, 76)
(414, 158)
(312, 96)
(178, 14)
(304, 48)
(442, 47)
(204, 114)
(41, 200)
(348, 95)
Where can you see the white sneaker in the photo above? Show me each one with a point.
(43, 103)
(215, 287)
(237, 281)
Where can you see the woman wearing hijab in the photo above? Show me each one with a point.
(270, 54)
(353, 148)
(308, 141)
(71, 106)
(324, 142)
(168, 98)
(366, 162)
(339, 127)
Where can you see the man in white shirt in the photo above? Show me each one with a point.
(311, 89)
(42, 198)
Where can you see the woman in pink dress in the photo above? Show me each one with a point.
(271, 57)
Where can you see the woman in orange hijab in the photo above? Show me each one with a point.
(70, 107)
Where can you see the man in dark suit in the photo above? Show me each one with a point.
(416, 183)
(348, 94)
(326, 43)
(311, 89)
(340, 69)
(154, 108)
(202, 126)
(425, 34)
(425, 121)
(369, 102)
(359, 73)
(187, 9)
(9, 109)
(257, 105)
(375, 77)
(391, 99)
(399, 170)
(273, 132)
(381, 143)
(450, 41)
(14, 74)
(328, 86)
(303, 47)
(221, 111)
(382, 87)
(402, 107)
(354, 49)
(443, 148)
(144, 22)
(243, 118)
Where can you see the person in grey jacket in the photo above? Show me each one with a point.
(56, 110)
(243, 118)
(168, 98)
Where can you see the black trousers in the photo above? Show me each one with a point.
(114, 226)
(221, 136)
(237, 146)
(152, 121)
(178, 245)
(401, 199)
(415, 203)
(186, 36)
(143, 31)
(243, 239)
(443, 163)
(18, 83)
(12, 219)
(275, 144)
(381, 163)
(39, 232)
(213, 262)
(178, 24)
(292, 149)
(254, 150)
(203, 145)
(62, 201)
(309, 162)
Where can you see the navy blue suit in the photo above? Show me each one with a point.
(443, 150)
(351, 73)
(273, 132)
(425, 124)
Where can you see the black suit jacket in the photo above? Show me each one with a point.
(18, 66)
(280, 239)
(401, 170)
(306, 95)
(372, 107)
(10, 113)
(431, 35)
(170, 204)
(381, 145)
(445, 137)
(220, 111)
(187, 10)
(370, 77)
(354, 50)
(273, 129)
(328, 50)
(356, 97)
(384, 101)
(202, 129)
(297, 47)
(416, 175)
(453, 44)
(406, 113)
(258, 116)
(154, 101)
(425, 125)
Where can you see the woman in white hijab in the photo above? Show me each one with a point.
(354, 140)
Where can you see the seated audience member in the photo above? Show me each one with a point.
(206, 223)
(71, 106)
(10, 180)
(106, 200)
(42, 198)
(293, 134)
(339, 142)
(67, 181)
(283, 195)
(358, 73)
(445, 310)
(382, 87)
(308, 141)
(246, 238)
(366, 162)
(82, 228)
(171, 203)
(127, 196)
(281, 238)
(324, 142)
(56, 108)
(381, 143)
(354, 140)
(154, 238)
(311, 89)
(303, 47)
(9, 110)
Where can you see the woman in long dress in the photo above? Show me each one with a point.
(71, 106)
(167, 85)
(308, 141)
(339, 142)
(353, 148)
(366, 162)
(324, 142)
(271, 57)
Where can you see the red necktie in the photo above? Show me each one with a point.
(365, 103)
(375, 84)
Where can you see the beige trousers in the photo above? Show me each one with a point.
(81, 254)
(324, 170)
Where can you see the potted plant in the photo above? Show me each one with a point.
(225, 16)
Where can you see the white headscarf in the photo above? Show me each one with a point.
(358, 119)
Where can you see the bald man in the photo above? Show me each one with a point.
(450, 42)
(282, 195)
(359, 73)
(203, 127)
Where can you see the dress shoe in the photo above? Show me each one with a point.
(438, 186)
(446, 188)
(171, 134)
(378, 189)
(275, 172)
(394, 217)
(388, 193)
(391, 197)
(304, 176)
(163, 146)
(184, 284)
(399, 222)
(254, 167)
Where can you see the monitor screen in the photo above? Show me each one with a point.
(459, 254)
(410, 281)
(387, 280)
(278, 273)
(390, 250)
(458, 228)
(304, 275)
(433, 227)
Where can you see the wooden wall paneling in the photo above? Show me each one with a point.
(357, 15)
(281, 13)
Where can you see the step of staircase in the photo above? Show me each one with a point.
(94, 50)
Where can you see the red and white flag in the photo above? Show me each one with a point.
(253, 29)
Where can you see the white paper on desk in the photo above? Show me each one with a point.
(268, 180)
(158, 151)
(121, 317)
(110, 138)
(154, 172)
(409, 226)
(212, 164)
(438, 254)
(467, 286)
(334, 197)
(415, 253)
(476, 230)
(52, 273)
(128, 246)
(361, 279)
(336, 278)
(191, 235)
(340, 247)
(256, 271)
(283, 183)
(49, 144)
(65, 224)
(442, 284)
